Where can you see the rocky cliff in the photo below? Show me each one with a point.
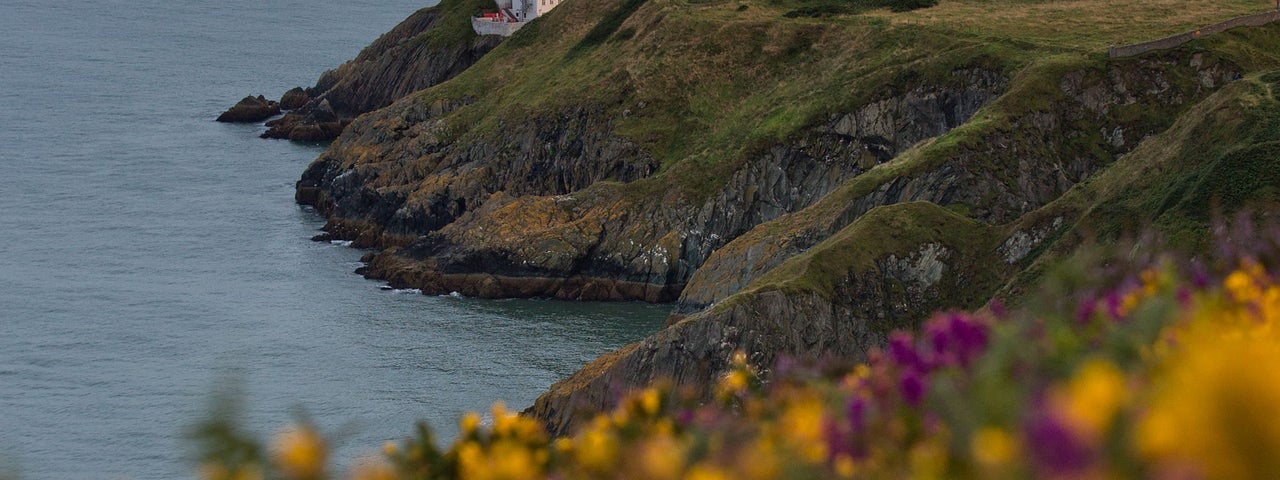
(801, 186)
(425, 49)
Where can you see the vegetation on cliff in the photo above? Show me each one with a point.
(802, 185)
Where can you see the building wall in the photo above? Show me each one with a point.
(525, 9)
(544, 6)
(505, 29)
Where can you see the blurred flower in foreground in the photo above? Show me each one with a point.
(1212, 411)
(300, 453)
(1161, 377)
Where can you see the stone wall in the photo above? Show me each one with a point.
(1182, 38)
(485, 27)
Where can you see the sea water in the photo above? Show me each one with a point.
(146, 252)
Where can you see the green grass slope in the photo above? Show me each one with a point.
(709, 83)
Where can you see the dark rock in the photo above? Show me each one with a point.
(390, 68)
(250, 109)
(294, 99)
(320, 113)
(308, 133)
(317, 122)
(314, 123)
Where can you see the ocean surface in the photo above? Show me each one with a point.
(148, 252)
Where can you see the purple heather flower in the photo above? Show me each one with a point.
(970, 336)
(1115, 300)
(685, 417)
(1085, 311)
(940, 336)
(912, 386)
(902, 350)
(1200, 275)
(1184, 296)
(838, 440)
(857, 413)
(1054, 447)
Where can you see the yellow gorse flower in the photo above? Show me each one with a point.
(661, 458)
(993, 447)
(1093, 396)
(300, 453)
(469, 424)
(596, 449)
(651, 401)
(1212, 408)
(707, 472)
(802, 425)
(503, 460)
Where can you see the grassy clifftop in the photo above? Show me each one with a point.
(804, 177)
(703, 85)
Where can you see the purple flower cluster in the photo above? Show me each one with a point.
(947, 340)
(1054, 446)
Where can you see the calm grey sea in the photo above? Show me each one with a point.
(146, 250)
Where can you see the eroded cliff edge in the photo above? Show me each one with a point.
(800, 186)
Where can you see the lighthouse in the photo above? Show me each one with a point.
(510, 16)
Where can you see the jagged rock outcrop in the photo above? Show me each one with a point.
(250, 109)
(637, 248)
(857, 313)
(830, 156)
(295, 98)
(317, 123)
(406, 59)
(650, 247)
(1004, 175)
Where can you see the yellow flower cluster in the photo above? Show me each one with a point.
(1213, 401)
(300, 453)
(515, 448)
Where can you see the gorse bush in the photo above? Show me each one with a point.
(1171, 372)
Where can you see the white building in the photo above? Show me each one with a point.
(511, 15)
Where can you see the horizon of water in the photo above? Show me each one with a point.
(151, 251)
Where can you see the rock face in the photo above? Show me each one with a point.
(250, 109)
(590, 243)
(857, 315)
(827, 281)
(318, 123)
(401, 61)
(823, 227)
(294, 99)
